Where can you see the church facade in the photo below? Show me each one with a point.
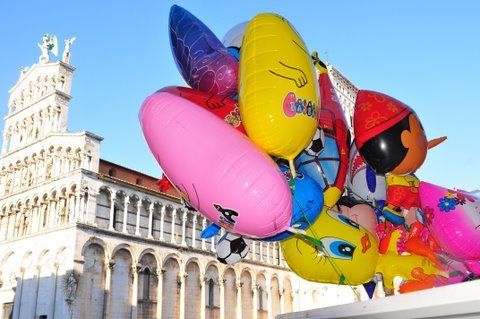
(81, 237)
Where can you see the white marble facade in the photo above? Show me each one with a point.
(76, 243)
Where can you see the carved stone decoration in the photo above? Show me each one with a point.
(70, 284)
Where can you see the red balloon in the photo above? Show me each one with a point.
(334, 124)
(222, 106)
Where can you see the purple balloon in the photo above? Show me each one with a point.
(201, 58)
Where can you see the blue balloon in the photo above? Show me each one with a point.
(201, 58)
(210, 231)
(307, 204)
(323, 166)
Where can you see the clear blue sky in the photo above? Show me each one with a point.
(425, 53)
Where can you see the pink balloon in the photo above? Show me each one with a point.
(218, 170)
(362, 214)
(453, 218)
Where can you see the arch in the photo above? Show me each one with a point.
(152, 252)
(287, 294)
(275, 295)
(230, 292)
(262, 295)
(247, 297)
(171, 288)
(192, 288)
(92, 278)
(147, 285)
(126, 247)
(212, 297)
(121, 281)
(175, 256)
(99, 242)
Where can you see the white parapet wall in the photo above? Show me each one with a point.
(455, 301)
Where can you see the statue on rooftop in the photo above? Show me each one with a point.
(49, 44)
(66, 51)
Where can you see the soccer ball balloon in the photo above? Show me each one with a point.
(231, 248)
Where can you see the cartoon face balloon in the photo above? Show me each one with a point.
(388, 134)
(278, 91)
(453, 218)
(218, 170)
(349, 249)
(363, 181)
(201, 58)
(360, 212)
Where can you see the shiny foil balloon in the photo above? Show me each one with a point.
(453, 218)
(326, 157)
(216, 169)
(278, 91)
(388, 134)
(222, 106)
(349, 250)
(307, 203)
(201, 58)
(363, 182)
(360, 212)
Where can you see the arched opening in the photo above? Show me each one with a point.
(287, 295)
(121, 287)
(92, 282)
(213, 293)
(262, 297)
(275, 295)
(247, 304)
(230, 294)
(171, 289)
(147, 287)
(192, 291)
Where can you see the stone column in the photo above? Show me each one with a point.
(221, 284)
(19, 293)
(111, 222)
(194, 230)
(184, 222)
(204, 224)
(79, 207)
(4, 145)
(125, 213)
(134, 300)
(282, 300)
(255, 300)
(254, 250)
(203, 282)
(162, 220)
(55, 280)
(160, 273)
(37, 282)
(174, 214)
(212, 244)
(182, 295)
(150, 220)
(239, 285)
(295, 304)
(108, 285)
(268, 252)
(137, 226)
(269, 301)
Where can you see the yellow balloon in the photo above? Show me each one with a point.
(278, 89)
(392, 264)
(351, 250)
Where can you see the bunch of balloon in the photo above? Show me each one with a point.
(259, 144)
(223, 156)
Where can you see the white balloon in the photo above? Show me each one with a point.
(234, 36)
